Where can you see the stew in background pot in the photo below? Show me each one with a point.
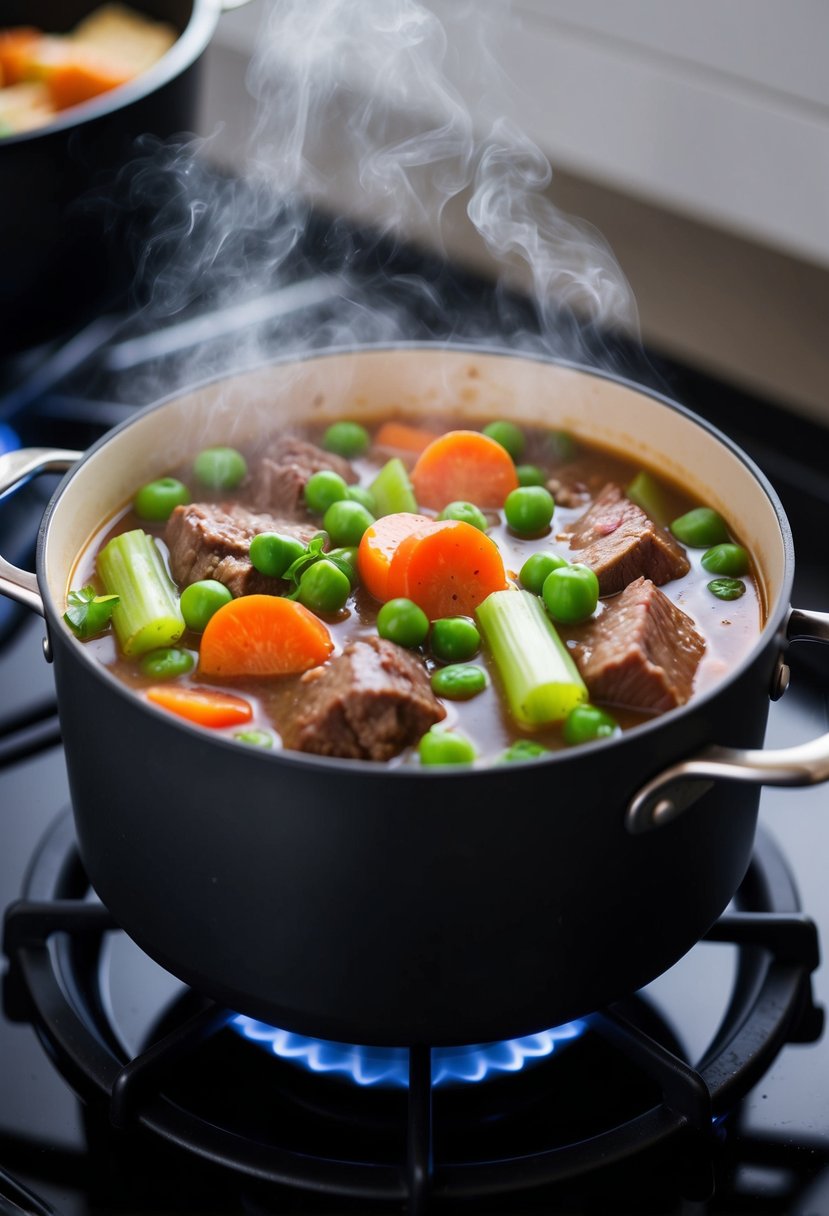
(43, 74)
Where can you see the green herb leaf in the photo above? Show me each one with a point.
(88, 613)
(312, 554)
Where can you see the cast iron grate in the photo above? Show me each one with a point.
(53, 940)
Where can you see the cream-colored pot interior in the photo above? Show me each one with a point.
(463, 385)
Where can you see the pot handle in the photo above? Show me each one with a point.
(17, 467)
(679, 786)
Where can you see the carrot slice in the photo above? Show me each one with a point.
(464, 465)
(263, 635)
(73, 76)
(379, 545)
(17, 47)
(447, 567)
(201, 705)
(403, 438)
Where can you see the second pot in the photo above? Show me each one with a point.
(60, 248)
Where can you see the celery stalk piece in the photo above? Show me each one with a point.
(147, 614)
(392, 489)
(648, 494)
(537, 674)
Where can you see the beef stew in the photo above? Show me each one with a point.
(657, 634)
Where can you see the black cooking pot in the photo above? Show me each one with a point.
(59, 250)
(355, 901)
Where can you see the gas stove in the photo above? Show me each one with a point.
(121, 1091)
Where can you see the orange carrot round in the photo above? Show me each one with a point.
(397, 581)
(447, 567)
(263, 635)
(379, 545)
(464, 465)
(403, 437)
(201, 705)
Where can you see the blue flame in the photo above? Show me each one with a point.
(389, 1066)
(9, 441)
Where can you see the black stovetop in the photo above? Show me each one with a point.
(770, 1154)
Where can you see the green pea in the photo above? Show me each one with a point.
(537, 567)
(324, 488)
(700, 528)
(158, 499)
(168, 663)
(459, 682)
(530, 475)
(220, 468)
(346, 560)
(467, 513)
(323, 587)
(271, 553)
(727, 588)
(587, 722)
(730, 560)
(346, 439)
(401, 621)
(254, 738)
(454, 639)
(571, 593)
(441, 746)
(524, 749)
(508, 435)
(363, 496)
(346, 521)
(201, 600)
(529, 509)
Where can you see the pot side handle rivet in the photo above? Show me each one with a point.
(780, 680)
(46, 646)
(664, 810)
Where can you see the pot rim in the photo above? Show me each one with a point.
(186, 49)
(772, 629)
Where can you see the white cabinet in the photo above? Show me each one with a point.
(716, 108)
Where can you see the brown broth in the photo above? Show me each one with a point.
(730, 628)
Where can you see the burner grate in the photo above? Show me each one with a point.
(53, 940)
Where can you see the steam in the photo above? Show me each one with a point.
(571, 267)
(355, 96)
(359, 115)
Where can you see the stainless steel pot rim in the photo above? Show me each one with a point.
(774, 627)
(185, 50)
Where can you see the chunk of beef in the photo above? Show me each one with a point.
(574, 484)
(617, 540)
(568, 493)
(641, 651)
(278, 479)
(211, 540)
(368, 703)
